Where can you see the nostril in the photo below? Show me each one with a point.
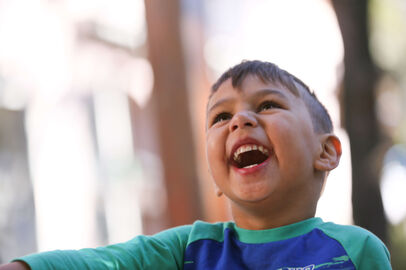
(246, 124)
(242, 120)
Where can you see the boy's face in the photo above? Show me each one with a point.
(261, 146)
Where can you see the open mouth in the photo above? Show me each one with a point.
(249, 155)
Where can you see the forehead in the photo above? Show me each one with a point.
(251, 85)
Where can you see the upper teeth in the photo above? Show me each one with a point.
(249, 147)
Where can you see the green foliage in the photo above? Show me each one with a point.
(398, 245)
(387, 43)
(388, 33)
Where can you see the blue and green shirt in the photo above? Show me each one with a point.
(307, 245)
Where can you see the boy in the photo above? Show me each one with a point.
(269, 146)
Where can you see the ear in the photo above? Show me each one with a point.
(329, 156)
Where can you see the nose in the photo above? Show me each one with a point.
(243, 119)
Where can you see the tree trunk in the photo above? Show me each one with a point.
(359, 116)
(17, 213)
(172, 107)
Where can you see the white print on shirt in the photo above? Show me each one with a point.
(309, 267)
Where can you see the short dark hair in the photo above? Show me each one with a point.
(268, 72)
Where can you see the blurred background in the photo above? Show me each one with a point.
(102, 111)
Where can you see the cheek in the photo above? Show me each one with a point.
(210, 154)
(215, 150)
(292, 145)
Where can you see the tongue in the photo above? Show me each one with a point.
(250, 158)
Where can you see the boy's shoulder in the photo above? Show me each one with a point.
(204, 230)
(360, 244)
(196, 231)
(349, 233)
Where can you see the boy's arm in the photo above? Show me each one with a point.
(15, 266)
(161, 251)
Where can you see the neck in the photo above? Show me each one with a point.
(246, 218)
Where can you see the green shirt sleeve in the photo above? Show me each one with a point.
(365, 250)
(374, 255)
(161, 251)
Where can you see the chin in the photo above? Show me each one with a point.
(253, 198)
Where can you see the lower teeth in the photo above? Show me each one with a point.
(250, 166)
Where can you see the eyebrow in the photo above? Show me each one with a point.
(269, 91)
(258, 94)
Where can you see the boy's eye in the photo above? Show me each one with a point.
(221, 117)
(267, 105)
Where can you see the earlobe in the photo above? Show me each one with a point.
(329, 156)
(219, 193)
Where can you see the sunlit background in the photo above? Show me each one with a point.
(76, 86)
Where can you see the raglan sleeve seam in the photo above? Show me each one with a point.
(361, 253)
